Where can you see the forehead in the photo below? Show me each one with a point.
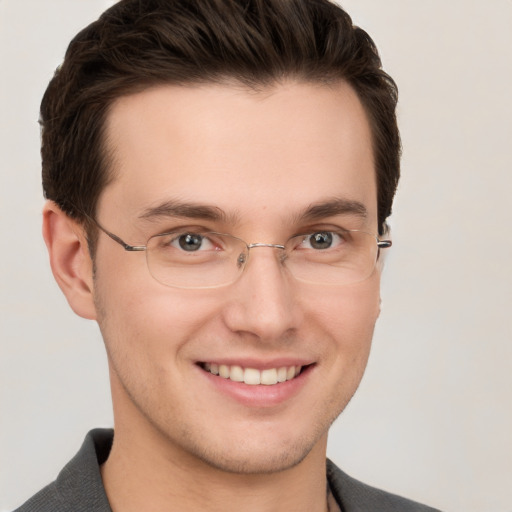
(276, 150)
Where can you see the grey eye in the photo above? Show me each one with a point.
(321, 240)
(190, 242)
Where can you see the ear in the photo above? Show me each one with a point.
(70, 261)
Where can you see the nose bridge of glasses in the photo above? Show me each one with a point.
(242, 258)
(276, 246)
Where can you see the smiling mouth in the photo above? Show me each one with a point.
(253, 376)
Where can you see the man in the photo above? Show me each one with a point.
(219, 174)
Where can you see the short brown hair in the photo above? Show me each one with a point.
(137, 44)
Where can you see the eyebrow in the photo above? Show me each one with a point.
(333, 207)
(173, 208)
(315, 211)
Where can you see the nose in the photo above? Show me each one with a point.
(261, 301)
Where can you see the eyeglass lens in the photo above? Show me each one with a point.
(208, 260)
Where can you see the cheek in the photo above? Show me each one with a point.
(353, 308)
(348, 316)
(138, 315)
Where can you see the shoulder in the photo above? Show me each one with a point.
(78, 487)
(355, 496)
(46, 500)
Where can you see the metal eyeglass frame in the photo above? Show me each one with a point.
(242, 259)
(381, 244)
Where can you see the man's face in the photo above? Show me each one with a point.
(262, 159)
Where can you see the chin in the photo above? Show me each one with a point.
(252, 448)
(256, 459)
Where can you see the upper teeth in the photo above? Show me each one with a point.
(253, 376)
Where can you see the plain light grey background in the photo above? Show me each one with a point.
(433, 417)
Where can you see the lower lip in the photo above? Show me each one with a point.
(260, 395)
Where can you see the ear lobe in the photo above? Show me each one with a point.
(70, 261)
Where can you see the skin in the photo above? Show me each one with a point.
(263, 158)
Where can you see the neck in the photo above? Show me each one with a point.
(145, 472)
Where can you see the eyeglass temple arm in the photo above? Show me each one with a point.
(384, 244)
(126, 247)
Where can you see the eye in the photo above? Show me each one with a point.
(192, 242)
(321, 240)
